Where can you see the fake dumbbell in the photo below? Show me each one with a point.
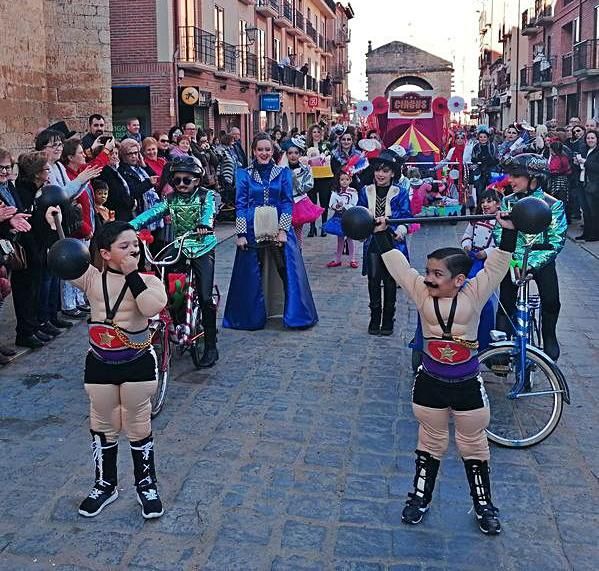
(530, 215)
(68, 258)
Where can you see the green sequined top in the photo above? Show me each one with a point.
(187, 212)
(555, 235)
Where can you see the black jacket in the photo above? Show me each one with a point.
(591, 168)
(119, 197)
(137, 186)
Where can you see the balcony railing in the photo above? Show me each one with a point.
(197, 46)
(526, 77)
(543, 12)
(268, 7)
(585, 57)
(342, 37)
(567, 65)
(287, 10)
(529, 24)
(273, 72)
(299, 21)
(542, 71)
(226, 60)
(321, 42)
(248, 64)
(311, 31)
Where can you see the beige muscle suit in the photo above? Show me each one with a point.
(433, 435)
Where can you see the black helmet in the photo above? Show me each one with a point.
(526, 164)
(187, 164)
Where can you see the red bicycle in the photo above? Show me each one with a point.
(178, 327)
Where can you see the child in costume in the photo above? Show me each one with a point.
(120, 367)
(384, 198)
(192, 207)
(304, 210)
(448, 380)
(341, 199)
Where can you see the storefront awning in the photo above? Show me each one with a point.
(232, 107)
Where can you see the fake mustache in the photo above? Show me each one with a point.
(135, 254)
(431, 285)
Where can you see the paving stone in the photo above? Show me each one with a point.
(303, 537)
(363, 542)
(296, 563)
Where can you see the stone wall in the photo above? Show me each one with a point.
(55, 65)
(392, 61)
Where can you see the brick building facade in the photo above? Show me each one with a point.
(213, 62)
(556, 65)
(54, 65)
(397, 63)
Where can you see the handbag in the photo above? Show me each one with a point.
(266, 223)
(17, 261)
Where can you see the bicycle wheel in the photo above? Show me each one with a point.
(197, 334)
(529, 417)
(163, 349)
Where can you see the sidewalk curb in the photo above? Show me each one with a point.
(584, 247)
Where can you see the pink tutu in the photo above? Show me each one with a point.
(305, 211)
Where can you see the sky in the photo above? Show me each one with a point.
(448, 29)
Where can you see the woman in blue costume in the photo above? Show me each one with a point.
(269, 277)
(388, 196)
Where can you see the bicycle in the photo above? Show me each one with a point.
(185, 334)
(526, 388)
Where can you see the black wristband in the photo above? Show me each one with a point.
(508, 240)
(135, 283)
(383, 241)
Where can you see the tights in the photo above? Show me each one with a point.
(121, 407)
(350, 248)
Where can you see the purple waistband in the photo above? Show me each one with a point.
(443, 370)
(115, 356)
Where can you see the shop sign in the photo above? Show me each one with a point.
(313, 101)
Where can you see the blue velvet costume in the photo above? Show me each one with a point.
(266, 185)
(398, 206)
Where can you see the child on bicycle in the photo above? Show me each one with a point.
(528, 174)
(192, 207)
(120, 367)
(448, 381)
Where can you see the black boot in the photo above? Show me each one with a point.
(418, 501)
(388, 321)
(312, 231)
(548, 325)
(210, 356)
(104, 491)
(390, 289)
(487, 514)
(374, 327)
(144, 470)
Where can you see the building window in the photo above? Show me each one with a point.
(261, 51)
(219, 32)
(549, 109)
(186, 15)
(276, 49)
(575, 31)
(244, 48)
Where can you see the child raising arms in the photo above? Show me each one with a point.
(448, 381)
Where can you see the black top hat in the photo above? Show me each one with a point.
(393, 157)
(62, 128)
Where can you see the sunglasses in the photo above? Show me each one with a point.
(164, 140)
(6, 168)
(133, 153)
(186, 180)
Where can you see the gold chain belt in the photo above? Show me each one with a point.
(122, 337)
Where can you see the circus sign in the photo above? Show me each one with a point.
(411, 104)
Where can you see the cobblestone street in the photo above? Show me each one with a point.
(296, 451)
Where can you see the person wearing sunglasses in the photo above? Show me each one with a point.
(192, 207)
(163, 143)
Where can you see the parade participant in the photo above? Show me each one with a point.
(344, 152)
(478, 241)
(560, 170)
(448, 381)
(342, 198)
(455, 161)
(269, 277)
(192, 207)
(383, 198)
(304, 210)
(319, 153)
(527, 177)
(120, 367)
(484, 159)
(513, 143)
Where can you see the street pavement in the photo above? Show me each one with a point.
(296, 451)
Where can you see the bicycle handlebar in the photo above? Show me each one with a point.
(168, 262)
